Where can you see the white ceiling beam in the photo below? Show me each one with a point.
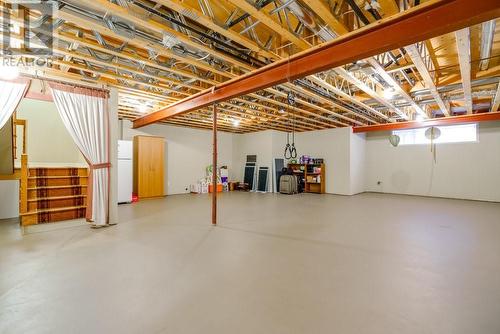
(394, 84)
(418, 61)
(361, 85)
(339, 92)
(487, 35)
(463, 47)
(496, 101)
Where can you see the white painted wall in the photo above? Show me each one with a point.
(9, 198)
(188, 152)
(259, 143)
(267, 145)
(333, 145)
(354, 162)
(49, 143)
(357, 165)
(463, 170)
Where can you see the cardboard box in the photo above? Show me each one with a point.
(211, 188)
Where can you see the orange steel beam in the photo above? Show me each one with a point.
(474, 118)
(431, 19)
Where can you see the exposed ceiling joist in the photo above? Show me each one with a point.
(389, 7)
(419, 63)
(487, 36)
(270, 23)
(355, 81)
(322, 10)
(394, 84)
(139, 42)
(161, 29)
(346, 96)
(434, 18)
(463, 48)
(184, 9)
(496, 100)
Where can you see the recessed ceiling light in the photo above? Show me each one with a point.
(9, 72)
(236, 123)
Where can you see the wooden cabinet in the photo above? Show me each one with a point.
(312, 177)
(149, 161)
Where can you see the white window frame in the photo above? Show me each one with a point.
(416, 136)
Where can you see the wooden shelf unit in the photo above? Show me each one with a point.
(309, 177)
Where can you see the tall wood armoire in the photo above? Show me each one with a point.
(149, 161)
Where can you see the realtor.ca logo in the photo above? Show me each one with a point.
(27, 27)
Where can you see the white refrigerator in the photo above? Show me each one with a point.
(125, 177)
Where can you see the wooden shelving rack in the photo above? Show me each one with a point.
(313, 181)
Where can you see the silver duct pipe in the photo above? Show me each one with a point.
(111, 58)
(250, 27)
(280, 7)
(102, 42)
(121, 3)
(447, 88)
(288, 21)
(124, 28)
(206, 8)
(306, 17)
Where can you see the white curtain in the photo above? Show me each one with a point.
(11, 93)
(84, 112)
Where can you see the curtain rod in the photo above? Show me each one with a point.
(76, 85)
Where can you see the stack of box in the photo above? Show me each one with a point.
(204, 185)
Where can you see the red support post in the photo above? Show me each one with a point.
(214, 168)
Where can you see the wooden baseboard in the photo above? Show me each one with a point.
(15, 176)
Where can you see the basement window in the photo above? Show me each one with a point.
(462, 133)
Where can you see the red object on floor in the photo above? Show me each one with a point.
(135, 198)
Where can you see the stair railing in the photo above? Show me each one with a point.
(23, 188)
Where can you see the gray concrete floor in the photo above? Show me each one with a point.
(276, 264)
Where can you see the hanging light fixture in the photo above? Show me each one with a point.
(432, 133)
(394, 140)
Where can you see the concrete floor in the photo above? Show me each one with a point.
(276, 264)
